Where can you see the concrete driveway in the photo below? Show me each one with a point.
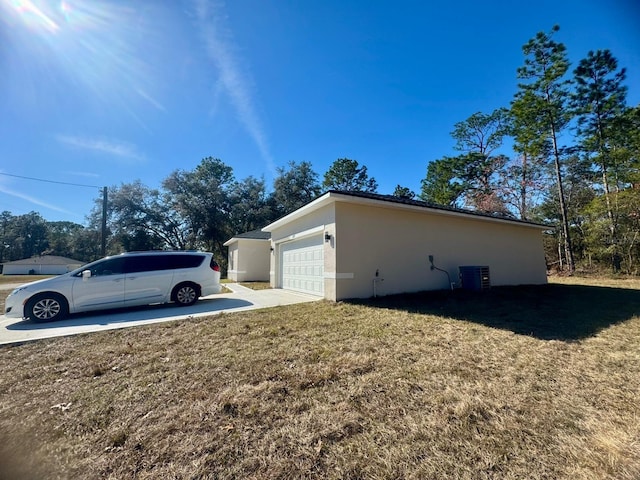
(241, 299)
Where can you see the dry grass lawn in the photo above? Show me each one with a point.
(4, 279)
(256, 285)
(536, 383)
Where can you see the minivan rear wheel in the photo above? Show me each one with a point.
(186, 294)
(46, 307)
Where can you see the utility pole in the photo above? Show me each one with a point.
(103, 249)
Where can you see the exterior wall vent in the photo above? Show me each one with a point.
(475, 277)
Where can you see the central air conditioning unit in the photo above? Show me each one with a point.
(475, 277)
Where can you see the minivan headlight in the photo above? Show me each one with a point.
(19, 289)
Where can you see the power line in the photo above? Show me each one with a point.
(49, 181)
(104, 201)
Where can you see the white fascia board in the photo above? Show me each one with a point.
(238, 240)
(319, 202)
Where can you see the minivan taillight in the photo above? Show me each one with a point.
(214, 266)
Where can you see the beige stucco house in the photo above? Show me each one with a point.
(358, 245)
(249, 257)
(44, 265)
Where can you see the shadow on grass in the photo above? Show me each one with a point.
(549, 312)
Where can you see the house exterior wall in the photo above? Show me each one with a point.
(37, 269)
(249, 260)
(316, 223)
(253, 262)
(397, 243)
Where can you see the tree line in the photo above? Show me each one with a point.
(576, 158)
(574, 164)
(193, 209)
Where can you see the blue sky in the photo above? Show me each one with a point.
(101, 93)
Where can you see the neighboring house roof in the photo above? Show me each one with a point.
(252, 235)
(376, 199)
(46, 260)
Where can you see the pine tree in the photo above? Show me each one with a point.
(544, 100)
(599, 99)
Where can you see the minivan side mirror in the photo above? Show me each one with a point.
(86, 274)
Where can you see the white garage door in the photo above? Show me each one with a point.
(302, 265)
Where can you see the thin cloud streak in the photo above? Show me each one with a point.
(151, 100)
(83, 174)
(233, 81)
(109, 147)
(33, 200)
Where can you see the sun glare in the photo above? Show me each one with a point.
(65, 8)
(93, 45)
(32, 16)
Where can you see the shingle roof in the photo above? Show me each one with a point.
(255, 234)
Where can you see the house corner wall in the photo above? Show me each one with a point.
(384, 251)
(232, 262)
(253, 260)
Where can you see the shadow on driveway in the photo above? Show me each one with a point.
(548, 312)
(155, 313)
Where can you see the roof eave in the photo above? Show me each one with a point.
(443, 211)
(310, 207)
(332, 196)
(233, 240)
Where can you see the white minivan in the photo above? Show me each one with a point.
(125, 280)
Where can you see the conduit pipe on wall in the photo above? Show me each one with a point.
(376, 280)
(433, 267)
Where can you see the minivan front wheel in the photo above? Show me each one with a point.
(186, 294)
(46, 307)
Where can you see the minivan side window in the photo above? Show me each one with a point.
(112, 266)
(186, 261)
(150, 263)
(145, 263)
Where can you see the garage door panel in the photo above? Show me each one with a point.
(302, 265)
